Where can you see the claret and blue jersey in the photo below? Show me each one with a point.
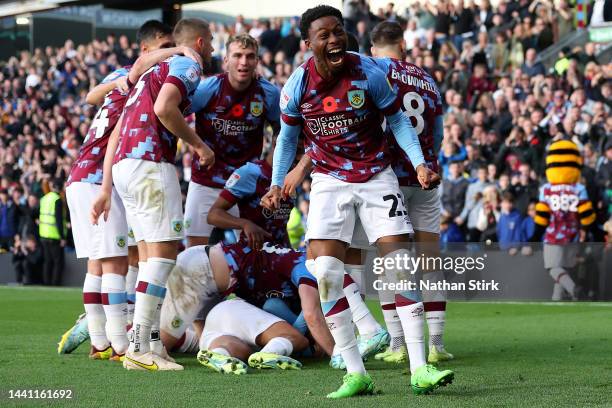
(342, 119)
(232, 124)
(87, 168)
(142, 135)
(421, 102)
(245, 187)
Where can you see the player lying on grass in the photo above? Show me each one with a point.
(235, 328)
(204, 274)
(244, 189)
(106, 244)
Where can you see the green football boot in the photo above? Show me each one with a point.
(353, 384)
(221, 363)
(262, 360)
(438, 354)
(427, 378)
(390, 356)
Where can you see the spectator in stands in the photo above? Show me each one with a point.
(52, 231)
(488, 215)
(531, 67)
(472, 192)
(27, 260)
(509, 225)
(454, 188)
(8, 221)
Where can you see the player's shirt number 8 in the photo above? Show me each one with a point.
(413, 112)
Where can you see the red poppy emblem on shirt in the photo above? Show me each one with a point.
(330, 104)
(237, 111)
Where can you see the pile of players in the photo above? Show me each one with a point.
(372, 129)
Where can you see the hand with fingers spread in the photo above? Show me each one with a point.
(255, 234)
(272, 199)
(101, 206)
(191, 53)
(427, 178)
(121, 84)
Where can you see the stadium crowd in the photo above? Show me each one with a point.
(502, 108)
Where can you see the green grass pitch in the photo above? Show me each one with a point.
(507, 355)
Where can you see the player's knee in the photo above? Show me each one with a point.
(330, 277)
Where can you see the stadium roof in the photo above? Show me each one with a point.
(16, 7)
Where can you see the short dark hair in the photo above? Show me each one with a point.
(151, 29)
(56, 184)
(386, 33)
(189, 28)
(316, 13)
(508, 196)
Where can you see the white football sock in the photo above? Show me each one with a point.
(96, 319)
(221, 350)
(130, 288)
(392, 320)
(410, 310)
(434, 302)
(278, 345)
(150, 291)
(557, 292)
(329, 272)
(362, 317)
(356, 273)
(115, 307)
(190, 342)
(413, 325)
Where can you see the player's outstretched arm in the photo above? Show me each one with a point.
(219, 216)
(311, 307)
(284, 154)
(167, 110)
(408, 140)
(146, 61)
(296, 176)
(102, 204)
(96, 95)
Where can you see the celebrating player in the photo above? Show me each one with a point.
(231, 111)
(336, 98)
(234, 328)
(145, 178)
(105, 245)
(422, 103)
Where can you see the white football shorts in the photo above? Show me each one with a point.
(151, 194)
(107, 239)
(236, 318)
(335, 206)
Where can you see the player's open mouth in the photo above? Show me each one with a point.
(336, 56)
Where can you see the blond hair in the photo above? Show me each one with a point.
(244, 40)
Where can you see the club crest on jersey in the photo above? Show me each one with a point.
(120, 241)
(177, 226)
(176, 322)
(256, 108)
(356, 98)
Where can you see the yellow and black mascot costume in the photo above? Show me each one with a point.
(563, 210)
